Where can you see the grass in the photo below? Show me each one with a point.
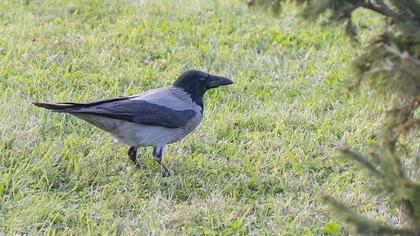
(260, 162)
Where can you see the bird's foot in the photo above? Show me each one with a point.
(167, 173)
(157, 154)
(138, 166)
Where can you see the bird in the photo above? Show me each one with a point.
(154, 118)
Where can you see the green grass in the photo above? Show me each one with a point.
(260, 162)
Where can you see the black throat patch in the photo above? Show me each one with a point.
(198, 99)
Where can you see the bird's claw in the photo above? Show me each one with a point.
(166, 174)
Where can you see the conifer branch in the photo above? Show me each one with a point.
(380, 8)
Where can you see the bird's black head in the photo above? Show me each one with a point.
(196, 83)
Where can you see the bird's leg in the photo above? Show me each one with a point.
(132, 154)
(157, 154)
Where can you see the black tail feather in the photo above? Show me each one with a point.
(66, 106)
(53, 106)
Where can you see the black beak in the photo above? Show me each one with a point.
(216, 81)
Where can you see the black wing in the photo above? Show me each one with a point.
(136, 111)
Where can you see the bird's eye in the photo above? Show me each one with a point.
(202, 79)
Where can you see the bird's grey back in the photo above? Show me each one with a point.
(171, 97)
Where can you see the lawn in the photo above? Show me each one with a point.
(259, 163)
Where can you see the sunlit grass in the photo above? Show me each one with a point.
(259, 163)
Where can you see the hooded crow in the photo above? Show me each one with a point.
(152, 118)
